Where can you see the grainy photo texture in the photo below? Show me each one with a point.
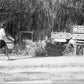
(42, 41)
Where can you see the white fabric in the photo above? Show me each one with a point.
(59, 40)
(72, 41)
(2, 33)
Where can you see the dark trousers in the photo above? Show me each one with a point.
(4, 47)
(2, 43)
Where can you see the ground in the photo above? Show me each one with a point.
(52, 70)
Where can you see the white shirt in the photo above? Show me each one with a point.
(2, 33)
(72, 41)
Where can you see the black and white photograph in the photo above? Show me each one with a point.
(41, 41)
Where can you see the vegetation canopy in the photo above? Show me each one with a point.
(41, 16)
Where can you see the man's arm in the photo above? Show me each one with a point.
(6, 35)
(10, 38)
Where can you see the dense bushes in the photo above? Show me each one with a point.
(31, 48)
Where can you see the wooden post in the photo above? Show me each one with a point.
(75, 49)
(83, 50)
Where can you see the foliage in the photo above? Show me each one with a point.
(41, 16)
(70, 12)
(22, 15)
(31, 49)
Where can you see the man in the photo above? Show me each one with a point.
(2, 38)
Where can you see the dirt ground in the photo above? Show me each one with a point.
(52, 70)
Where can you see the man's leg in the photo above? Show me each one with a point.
(6, 51)
(4, 47)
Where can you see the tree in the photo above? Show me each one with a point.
(70, 12)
